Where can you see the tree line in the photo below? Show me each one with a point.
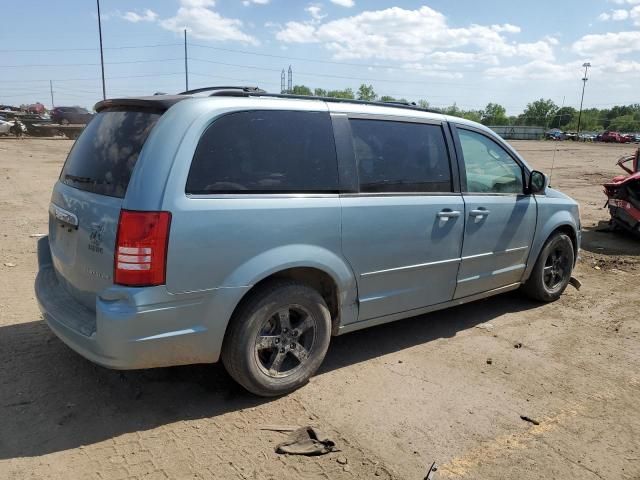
(544, 112)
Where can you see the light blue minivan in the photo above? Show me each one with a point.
(228, 223)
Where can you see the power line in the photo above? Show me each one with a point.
(343, 77)
(315, 60)
(90, 64)
(93, 78)
(94, 49)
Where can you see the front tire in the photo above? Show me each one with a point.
(277, 339)
(552, 271)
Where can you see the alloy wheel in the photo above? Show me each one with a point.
(556, 268)
(285, 341)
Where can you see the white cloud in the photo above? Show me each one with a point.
(410, 36)
(634, 14)
(614, 44)
(625, 66)
(619, 15)
(246, 3)
(506, 28)
(432, 71)
(197, 3)
(625, 2)
(344, 3)
(297, 32)
(622, 14)
(535, 70)
(146, 16)
(315, 10)
(448, 57)
(202, 22)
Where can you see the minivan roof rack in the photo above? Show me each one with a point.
(395, 104)
(165, 101)
(230, 90)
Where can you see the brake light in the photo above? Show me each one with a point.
(141, 248)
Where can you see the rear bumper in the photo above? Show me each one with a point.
(627, 218)
(135, 328)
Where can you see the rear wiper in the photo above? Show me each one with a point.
(77, 179)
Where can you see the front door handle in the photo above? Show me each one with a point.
(447, 213)
(479, 212)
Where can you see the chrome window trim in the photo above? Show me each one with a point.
(206, 196)
(394, 118)
(400, 194)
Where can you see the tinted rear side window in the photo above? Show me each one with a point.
(102, 159)
(401, 157)
(266, 152)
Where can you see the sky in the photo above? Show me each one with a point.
(467, 52)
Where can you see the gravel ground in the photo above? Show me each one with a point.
(395, 398)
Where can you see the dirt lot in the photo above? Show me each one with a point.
(395, 398)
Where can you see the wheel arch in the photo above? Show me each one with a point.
(563, 222)
(313, 277)
(317, 267)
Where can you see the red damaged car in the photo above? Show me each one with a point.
(614, 137)
(623, 195)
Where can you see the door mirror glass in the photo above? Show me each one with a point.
(537, 182)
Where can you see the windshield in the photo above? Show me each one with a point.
(102, 159)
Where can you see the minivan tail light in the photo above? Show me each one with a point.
(141, 248)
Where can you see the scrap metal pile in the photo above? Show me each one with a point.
(623, 195)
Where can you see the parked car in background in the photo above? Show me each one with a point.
(588, 137)
(5, 126)
(555, 134)
(66, 115)
(252, 227)
(614, 137)
(37, 108)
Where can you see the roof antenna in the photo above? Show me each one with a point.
(555, 150)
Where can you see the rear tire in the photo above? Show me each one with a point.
(552, 271)
(277, 338)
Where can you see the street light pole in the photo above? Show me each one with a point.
(584, 84)
(186, 65)
(104, 91)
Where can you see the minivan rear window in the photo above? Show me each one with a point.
(266, 152)
(103, 157)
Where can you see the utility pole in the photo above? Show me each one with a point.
(186, 65)
(104, 91)
(290, 80)
(584, 84)
(51, 90)
(282, 82)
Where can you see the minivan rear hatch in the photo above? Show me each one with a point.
(87, 199)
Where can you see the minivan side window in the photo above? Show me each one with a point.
(265, 152)
(489, 168)
(396, 157)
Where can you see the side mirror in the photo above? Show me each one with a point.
(537, 182)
